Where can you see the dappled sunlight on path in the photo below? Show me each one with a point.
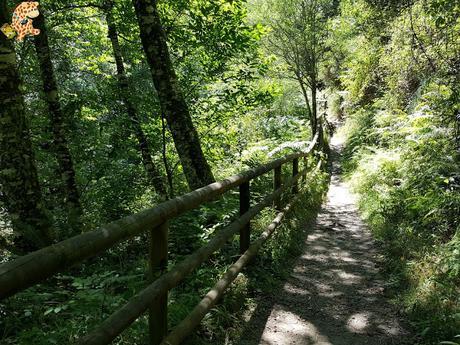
(334, 295)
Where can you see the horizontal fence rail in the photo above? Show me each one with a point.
(181, 331)
(138, 304)
(30, 269)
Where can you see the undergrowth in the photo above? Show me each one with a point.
(407, 175)
(72, 303)
(400, 83)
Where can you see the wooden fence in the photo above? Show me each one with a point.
(30, 269)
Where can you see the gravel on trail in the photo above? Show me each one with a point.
(335, 294)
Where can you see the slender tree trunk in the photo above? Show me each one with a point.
(60, 144)
(153, 173)
(173, 105)
(314, 107)
(18, 174)
(318, 126)
(165, 158)
(303, 87)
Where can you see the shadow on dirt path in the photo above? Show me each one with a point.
(334, 295)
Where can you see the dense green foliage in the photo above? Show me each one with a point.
(218, 64)
(245, 112)
(71, 303)
(399, 75)
(256, 76)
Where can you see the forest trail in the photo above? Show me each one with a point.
(334, 295)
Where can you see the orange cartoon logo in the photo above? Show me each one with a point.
(21, 25)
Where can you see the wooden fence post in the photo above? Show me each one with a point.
(245, 204)
(276, 185)
(295, 172)
(158, 262)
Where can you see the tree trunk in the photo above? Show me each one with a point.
(169, 173)
(303, 87)
(314, 107)
(153, 174)
(317, 126)
(18, 174)
(60, 144)
(173, 105)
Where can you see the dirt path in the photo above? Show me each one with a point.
(334, 295)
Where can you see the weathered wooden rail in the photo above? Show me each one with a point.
(30, 269)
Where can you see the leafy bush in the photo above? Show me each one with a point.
(403, 153)
(407, 175)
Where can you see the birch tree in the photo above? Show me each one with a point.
(19, 183)
(173, 104)
(59, 130)
(153, 173)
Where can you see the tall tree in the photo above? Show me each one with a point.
(153, 173)
(173, 104)
(18, 174)
(299, 32)
(60, 144)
